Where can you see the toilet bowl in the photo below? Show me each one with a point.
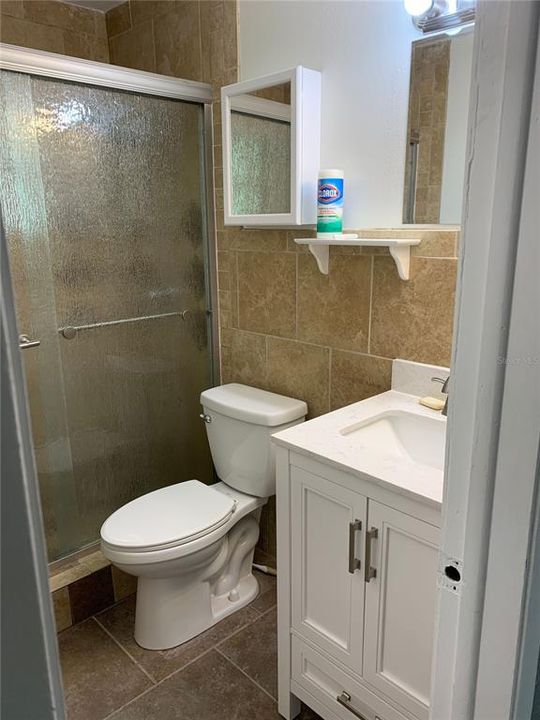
(191, 545)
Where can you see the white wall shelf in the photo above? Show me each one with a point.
(400, 249)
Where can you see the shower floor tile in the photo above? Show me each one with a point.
(226, 673)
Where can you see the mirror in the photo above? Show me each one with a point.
(261, 151)
(271, 146)
(437, 128)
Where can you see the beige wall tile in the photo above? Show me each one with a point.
(300, 371)
(413, 320)
(258, 240)
(17, 31)
(143, 10)
(267, 292)
(247, 359)
(178, 42)
(61, 15)
(135, 48)
(356, 377)
(67, 577)
(12, 7)
(230, 32)
(62, 609)
(118, 19)
(333, 309)
(89, 47)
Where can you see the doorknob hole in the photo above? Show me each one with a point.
(452, 573)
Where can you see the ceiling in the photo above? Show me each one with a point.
(101, 5)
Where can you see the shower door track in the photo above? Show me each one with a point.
(61, 67)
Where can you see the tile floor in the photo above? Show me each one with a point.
(227, 673)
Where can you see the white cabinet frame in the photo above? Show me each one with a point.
(305, 119)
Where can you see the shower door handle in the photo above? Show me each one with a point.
(25, 343)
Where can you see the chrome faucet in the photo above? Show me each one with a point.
(444, 390)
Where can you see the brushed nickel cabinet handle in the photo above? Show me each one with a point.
(354, 562)
(345, 699)
(369, 571)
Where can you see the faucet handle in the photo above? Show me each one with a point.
(444, 383)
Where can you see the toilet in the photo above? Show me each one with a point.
(191, 545)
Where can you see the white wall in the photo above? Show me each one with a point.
(455, 140)
(363, 49)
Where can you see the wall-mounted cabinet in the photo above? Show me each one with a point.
(271, 149)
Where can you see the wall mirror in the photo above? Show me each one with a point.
(437, 128)
(271, 148)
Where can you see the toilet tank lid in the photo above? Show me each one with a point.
(250, 404)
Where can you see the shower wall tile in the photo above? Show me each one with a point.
(88, 47)
(135, 48)
(18, 31)
(178, 42)
(55, 26)
(118, 19)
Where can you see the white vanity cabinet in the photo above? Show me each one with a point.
(357, 589)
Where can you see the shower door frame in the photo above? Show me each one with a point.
(61, 67)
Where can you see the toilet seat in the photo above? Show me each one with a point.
(168, 518)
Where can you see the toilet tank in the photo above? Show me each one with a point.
(239, 423)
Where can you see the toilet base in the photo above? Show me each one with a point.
(173, 607)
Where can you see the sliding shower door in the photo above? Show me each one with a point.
(103, 205)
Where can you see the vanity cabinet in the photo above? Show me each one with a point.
(357, 591)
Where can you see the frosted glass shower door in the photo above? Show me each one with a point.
(103, 206)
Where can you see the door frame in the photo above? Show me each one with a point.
(62, 67)
(486, 425)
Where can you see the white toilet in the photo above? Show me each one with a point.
(191, 545)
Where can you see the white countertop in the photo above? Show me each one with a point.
(322, 439)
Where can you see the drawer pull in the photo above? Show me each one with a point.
(345, 699)
(354, 562)
(369, 571)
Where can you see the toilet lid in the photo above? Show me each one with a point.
(168, 517)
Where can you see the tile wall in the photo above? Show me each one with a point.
(55, 27)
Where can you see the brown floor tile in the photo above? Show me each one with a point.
(120, 619)
(209, 689)
(254, 650)
(98, 676)
(267, 598)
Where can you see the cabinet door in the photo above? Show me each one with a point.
(327, 535)
(400, 607)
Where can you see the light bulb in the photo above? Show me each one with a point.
(417, 7)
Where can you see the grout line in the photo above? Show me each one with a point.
(182, 667)
(370, 304)
(296, 297)
(330, 359)
(117, 642)
(228, 659)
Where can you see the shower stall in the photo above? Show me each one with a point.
(106, 198)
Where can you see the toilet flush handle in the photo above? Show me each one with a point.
(205, 417)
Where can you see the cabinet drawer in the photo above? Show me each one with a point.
(326, 682)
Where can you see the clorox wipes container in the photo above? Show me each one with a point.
(330, 203)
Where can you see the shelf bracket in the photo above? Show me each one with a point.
(402, 258)
(321, 253)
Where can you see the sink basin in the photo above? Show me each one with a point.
(411, 436)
